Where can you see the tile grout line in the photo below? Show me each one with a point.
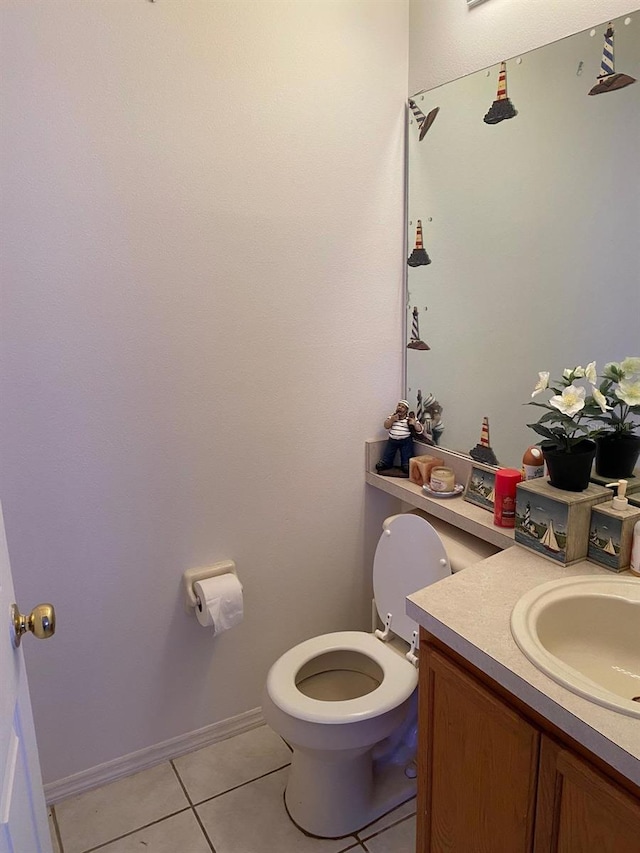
(204, 831)
(384, 829)
(180, 782)
(137, 829)
(189, 807)
(194, 812)
(241, 785)
(354, 848)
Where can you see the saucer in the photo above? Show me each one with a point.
(457, 490)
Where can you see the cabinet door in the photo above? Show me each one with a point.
(581, 811)
(478, 763)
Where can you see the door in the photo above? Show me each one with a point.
(477, 765)
(581, 811)
(23, 815)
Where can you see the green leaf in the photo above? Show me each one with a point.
(544, 431)
(550, 416)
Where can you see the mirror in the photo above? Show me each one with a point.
(523, 231)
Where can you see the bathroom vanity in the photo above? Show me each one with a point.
(509, 760)
(494, 775)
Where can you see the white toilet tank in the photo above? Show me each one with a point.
(463, 549)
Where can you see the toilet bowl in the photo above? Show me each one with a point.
(346, 702)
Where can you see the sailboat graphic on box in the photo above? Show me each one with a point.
(611, 535)
(549, 540)
(555, 523)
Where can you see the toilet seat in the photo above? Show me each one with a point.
(400, 679)
(409, 556)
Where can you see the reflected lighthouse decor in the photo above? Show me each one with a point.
(419, 257)
(416, 342)
(608, 80)
(423, 121)
(483, 452)
(501, 108)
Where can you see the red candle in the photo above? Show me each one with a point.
(504, 507)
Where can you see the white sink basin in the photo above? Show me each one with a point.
(584, 632)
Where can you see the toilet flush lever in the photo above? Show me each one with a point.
(384, 635)
(411, 655)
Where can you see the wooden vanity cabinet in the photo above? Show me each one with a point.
(477, 766)
(492, 780)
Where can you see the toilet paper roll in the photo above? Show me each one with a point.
(219, 602)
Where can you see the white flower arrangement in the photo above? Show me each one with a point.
(618, 397)
(575, 411)
(568, 412)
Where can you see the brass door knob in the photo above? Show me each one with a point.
(41, 622)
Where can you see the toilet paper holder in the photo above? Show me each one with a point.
(192, 575)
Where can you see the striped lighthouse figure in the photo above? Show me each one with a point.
(607, 79)
(415, 342)
(419, 257)
(482, 452)
(501, 108)
(423, 121)
(527, 524)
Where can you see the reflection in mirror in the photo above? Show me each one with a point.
(523, 237)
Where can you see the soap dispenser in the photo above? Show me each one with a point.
(612, 529)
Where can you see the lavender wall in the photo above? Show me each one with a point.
(202, 304)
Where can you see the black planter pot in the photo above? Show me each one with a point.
(569, 471)
(617, 454)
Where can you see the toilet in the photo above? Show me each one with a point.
(346, 702)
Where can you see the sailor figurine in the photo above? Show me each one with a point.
(402, 425)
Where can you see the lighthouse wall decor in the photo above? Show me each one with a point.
(501, 108)
(483, 452)
(608, 80)
(522, 228)
(423, 121)
(416, 342)
(418, 257)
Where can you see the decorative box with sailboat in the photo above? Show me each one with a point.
(553, 522)
(611, 532)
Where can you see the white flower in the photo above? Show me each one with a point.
(542, 383)
(591, 374)
(567, 373)
(570, 402)
(601, 400)
(630, 367)
(578, 373)
(628, 391)
(611, 371)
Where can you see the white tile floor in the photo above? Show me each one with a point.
(226, 798)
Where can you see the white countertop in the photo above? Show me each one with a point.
(470, 612)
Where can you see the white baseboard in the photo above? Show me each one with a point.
(144, 758)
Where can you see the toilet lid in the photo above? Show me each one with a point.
(410, 555)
